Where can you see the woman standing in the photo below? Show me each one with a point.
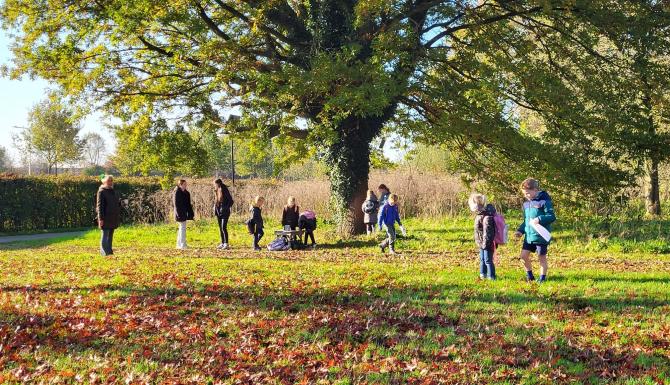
(222, 205)
(108, 210)
(183, 211)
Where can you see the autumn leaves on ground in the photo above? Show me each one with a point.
(341, 314)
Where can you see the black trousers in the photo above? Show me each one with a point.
(223, 226)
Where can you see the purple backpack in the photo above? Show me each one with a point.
(501, 229)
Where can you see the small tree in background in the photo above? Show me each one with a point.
(52, 133)
(94, 149)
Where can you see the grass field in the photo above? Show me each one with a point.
(341, 314)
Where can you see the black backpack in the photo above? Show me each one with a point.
(369, 207)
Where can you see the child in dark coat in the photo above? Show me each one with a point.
(290, 215)
(370, 209)
(307, 223)
(255, 223)
(485, 232)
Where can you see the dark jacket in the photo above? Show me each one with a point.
(389, 215)
(290, 216)
(183, 209)
(485, 227)
(371, 217)
(256, 218)
(305, 223)
(108, 207)
(222, 209)
(539, 207)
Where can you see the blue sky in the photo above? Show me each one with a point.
(18, 96)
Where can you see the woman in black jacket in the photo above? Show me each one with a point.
(222, 205)
(183, 211)
(108, 210)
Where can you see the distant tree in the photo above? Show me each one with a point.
(155, 146)
(94, 148)
(5, 161)
(52, 134)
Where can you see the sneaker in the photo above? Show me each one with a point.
(220, 246)
(225, 246)
(392, 252)
(383, 248)
(313, 246)
(482, 276)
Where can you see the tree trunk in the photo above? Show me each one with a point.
(349, 159)
(653, 193)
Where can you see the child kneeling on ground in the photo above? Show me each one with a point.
(485, 232)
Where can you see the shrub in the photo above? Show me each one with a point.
(49, 202)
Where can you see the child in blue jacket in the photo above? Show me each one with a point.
(388, 216)
(538, 209)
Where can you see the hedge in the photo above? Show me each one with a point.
(50, 202)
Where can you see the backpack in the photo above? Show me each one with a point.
(279, 244)
(369, 207)
(502, 229)
(297, 244)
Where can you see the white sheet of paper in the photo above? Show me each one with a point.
(544, 233)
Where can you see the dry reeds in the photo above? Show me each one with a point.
(421, 195)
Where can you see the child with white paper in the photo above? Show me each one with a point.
(536, 228)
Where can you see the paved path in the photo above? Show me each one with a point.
(33, 237)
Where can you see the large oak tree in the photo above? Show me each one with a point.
(334, 73)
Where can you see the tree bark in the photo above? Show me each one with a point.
(349, 159)
(653, 193)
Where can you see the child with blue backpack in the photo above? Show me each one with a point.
(539, 214)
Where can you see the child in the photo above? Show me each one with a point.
(307, 222)
(389, 215)
(290, 215)
(384, 194)
(183, 211)
(485, 231)
(537, 210)
(255, 223)
(370, 209)
(222, 205)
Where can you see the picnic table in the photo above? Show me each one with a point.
(291, 235)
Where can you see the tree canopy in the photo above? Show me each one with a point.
(52, 134)
(331, 74)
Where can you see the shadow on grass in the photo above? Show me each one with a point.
(612, 278)
(36, 241)
(169, 325)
